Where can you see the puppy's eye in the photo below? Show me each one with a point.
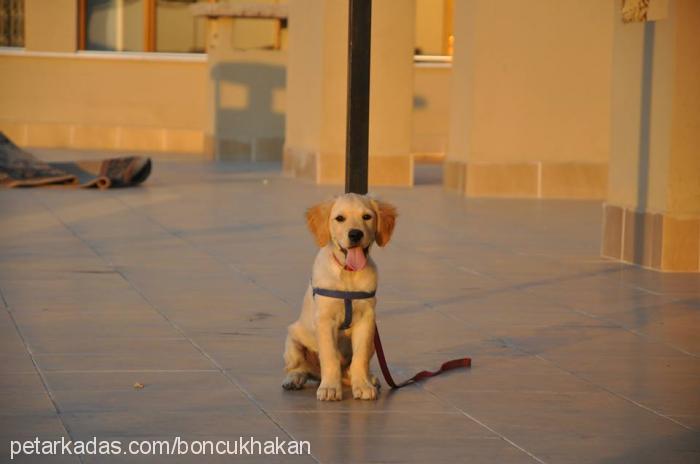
(340, 218)
(366, 217)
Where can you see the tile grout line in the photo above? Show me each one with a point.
(232, 380)
(619, 395)
(42, 378)
(491, 246)
(3, 300)
(39, 371)
(582, 378)
(617, 324)
(134, 371)
(527, 288)
(460, 411)
(482, 424)
(457, 410)
(517, 288)
(568, 309)
(194, 246)
(623, 234)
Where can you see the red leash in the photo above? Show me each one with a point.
(449, 365)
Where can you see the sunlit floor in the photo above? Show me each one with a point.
(186, 286)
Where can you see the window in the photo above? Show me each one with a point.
(115, 25)
(11, 23)
(140, 25)
(162, 26)
(434, 27)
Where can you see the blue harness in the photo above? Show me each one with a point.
(347, 298)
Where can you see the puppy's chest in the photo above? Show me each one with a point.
(360, 311)
(359, 307)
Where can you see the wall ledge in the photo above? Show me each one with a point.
(329, 168)
(106, 55)
(130, 138)
(527, 179)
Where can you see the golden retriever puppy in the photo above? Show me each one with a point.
(333, 339)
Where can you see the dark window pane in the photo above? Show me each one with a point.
(115, 25)
(12, 23)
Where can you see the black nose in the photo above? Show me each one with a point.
(355, 235)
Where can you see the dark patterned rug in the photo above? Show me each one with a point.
(19, 168)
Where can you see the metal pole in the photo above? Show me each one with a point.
(357, 142)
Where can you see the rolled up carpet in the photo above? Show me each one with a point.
(19, 168)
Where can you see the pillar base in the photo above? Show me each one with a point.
(653, 240)
(326, 168)
(244, 149)
(527, 180)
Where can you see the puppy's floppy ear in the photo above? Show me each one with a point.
(317, 220)
(386, 220)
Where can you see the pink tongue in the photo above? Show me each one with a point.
(355, 260)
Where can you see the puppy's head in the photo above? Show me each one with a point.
(351, 223)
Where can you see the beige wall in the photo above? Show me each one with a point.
(317, 91)
(391, 77)
(656, 122)
(54, 97)
(246, 98)
(335, 70)
(534, 80)
(305, 89)
(431, 109)
(51, 25)
(652, 213)
(430, 18)
(530, 112)
(68, 100)
(392, 74)
(684, 167)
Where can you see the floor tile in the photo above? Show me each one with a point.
(161, 311)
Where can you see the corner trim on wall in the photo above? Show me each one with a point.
(657, 241)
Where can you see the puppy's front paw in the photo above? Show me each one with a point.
(294, 381)
(364, 390)
(329, 392)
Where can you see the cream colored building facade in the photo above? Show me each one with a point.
(229, 103)
(531, 98)
(540, 99)
(54, 96)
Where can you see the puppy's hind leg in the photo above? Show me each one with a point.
(295, 364)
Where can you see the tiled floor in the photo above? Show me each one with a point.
(186, 285)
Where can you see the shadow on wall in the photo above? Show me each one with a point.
(248, 111)
(644, 131)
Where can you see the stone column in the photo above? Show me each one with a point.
(317, 91)
(51, 26)
(652, 212)
(530, 103)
